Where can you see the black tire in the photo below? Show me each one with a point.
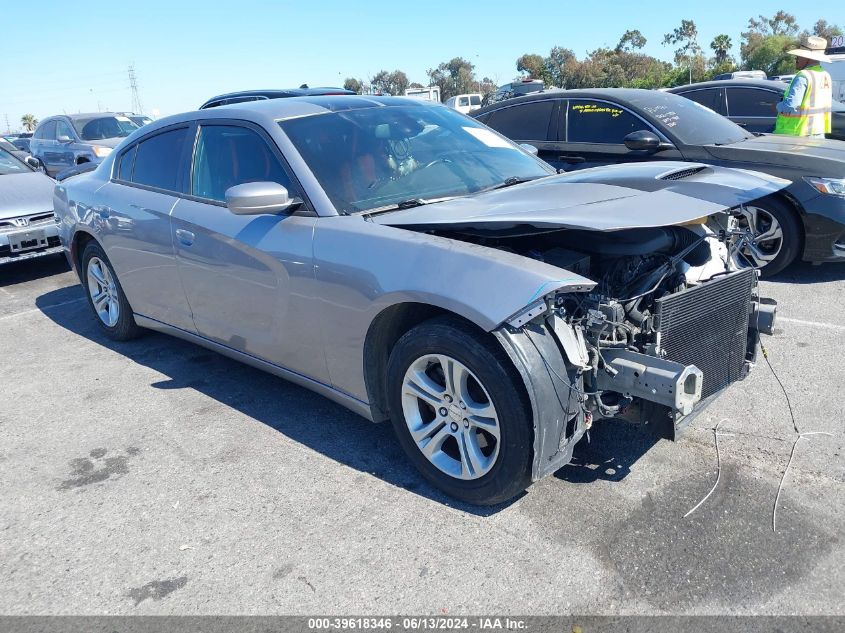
(793, 233)
(510, 474)
(125, 328)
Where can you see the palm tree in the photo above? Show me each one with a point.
(721, 45)
(29, 122)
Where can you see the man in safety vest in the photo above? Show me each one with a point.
(805, 109)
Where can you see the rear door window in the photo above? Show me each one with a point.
(228, 155)
(158, 160)
(709, 98)
(525, 122)
(752, 102)
(600, 122)
(475, 100)
(463, 101)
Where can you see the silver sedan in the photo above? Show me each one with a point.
(415, 266)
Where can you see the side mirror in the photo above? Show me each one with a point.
(32, 162)
(258, 198)
(643, 140)
(529, 148)
(64, 139)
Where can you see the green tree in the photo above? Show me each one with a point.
(827, 31)
(721, 45)
(29, 122)
(457, 76)
(688, 52)
(532, 64)
(355, 85)
(765, 42)
(391, 83)
(631, 41)
(560, 67)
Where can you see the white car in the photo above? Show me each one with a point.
(465, 103)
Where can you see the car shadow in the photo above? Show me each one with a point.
(33, 269)
(293, 411)
(807, 273)
(612, 447)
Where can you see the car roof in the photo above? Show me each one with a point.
(621, 94)
(279, 93)
(771, 84)
(269, 111)
(83, 115)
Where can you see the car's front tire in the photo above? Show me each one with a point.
(460, 412)
(777, 235)
(105, 295)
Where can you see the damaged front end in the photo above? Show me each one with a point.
(669, 323)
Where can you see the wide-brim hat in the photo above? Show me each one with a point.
(812, 47)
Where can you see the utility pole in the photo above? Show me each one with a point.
(133, 87)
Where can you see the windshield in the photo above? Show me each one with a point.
(11, 165)
(371, 158)
(104, 127)
(689, 122)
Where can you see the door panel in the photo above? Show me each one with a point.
(135, 231)
(248, 278)
(754, 109)
(248, 282)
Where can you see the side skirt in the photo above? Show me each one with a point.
(343, 399)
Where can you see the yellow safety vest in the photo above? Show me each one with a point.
(813, 116)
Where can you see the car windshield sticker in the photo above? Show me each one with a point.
(584, 108)
(123, 118)
(664, 114)
(488, 138)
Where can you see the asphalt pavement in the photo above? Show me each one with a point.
(156, 477)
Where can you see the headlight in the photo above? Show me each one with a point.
(831, 186)
(100, 151)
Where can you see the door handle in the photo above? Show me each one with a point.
(186, 238)
(571, 159)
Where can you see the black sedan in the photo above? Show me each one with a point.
(574, 129)
(751, 103)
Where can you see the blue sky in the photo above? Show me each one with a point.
(75, 57)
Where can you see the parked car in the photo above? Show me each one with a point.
(741, 74)
(413, 265)
(138, 119)
(751, 103)
(464, 103)
(245, 96)
(21, 143)
(68, 140)
(514, 89)
(27, 223)
(13, 150)
(575, 129)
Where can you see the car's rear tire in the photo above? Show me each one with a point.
(470, 434)
(105, 295)
(778, 235)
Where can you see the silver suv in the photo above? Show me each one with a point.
(65, 141)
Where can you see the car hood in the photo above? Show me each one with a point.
(602, 199)
(822, 157)
(24, 194)
(107, 142)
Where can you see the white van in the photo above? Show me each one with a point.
(426, 94)
(465, 103)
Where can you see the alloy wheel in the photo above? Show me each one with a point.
(103, 292)
(766, 239)
(451, 416)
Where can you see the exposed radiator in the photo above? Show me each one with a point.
(707, 326)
